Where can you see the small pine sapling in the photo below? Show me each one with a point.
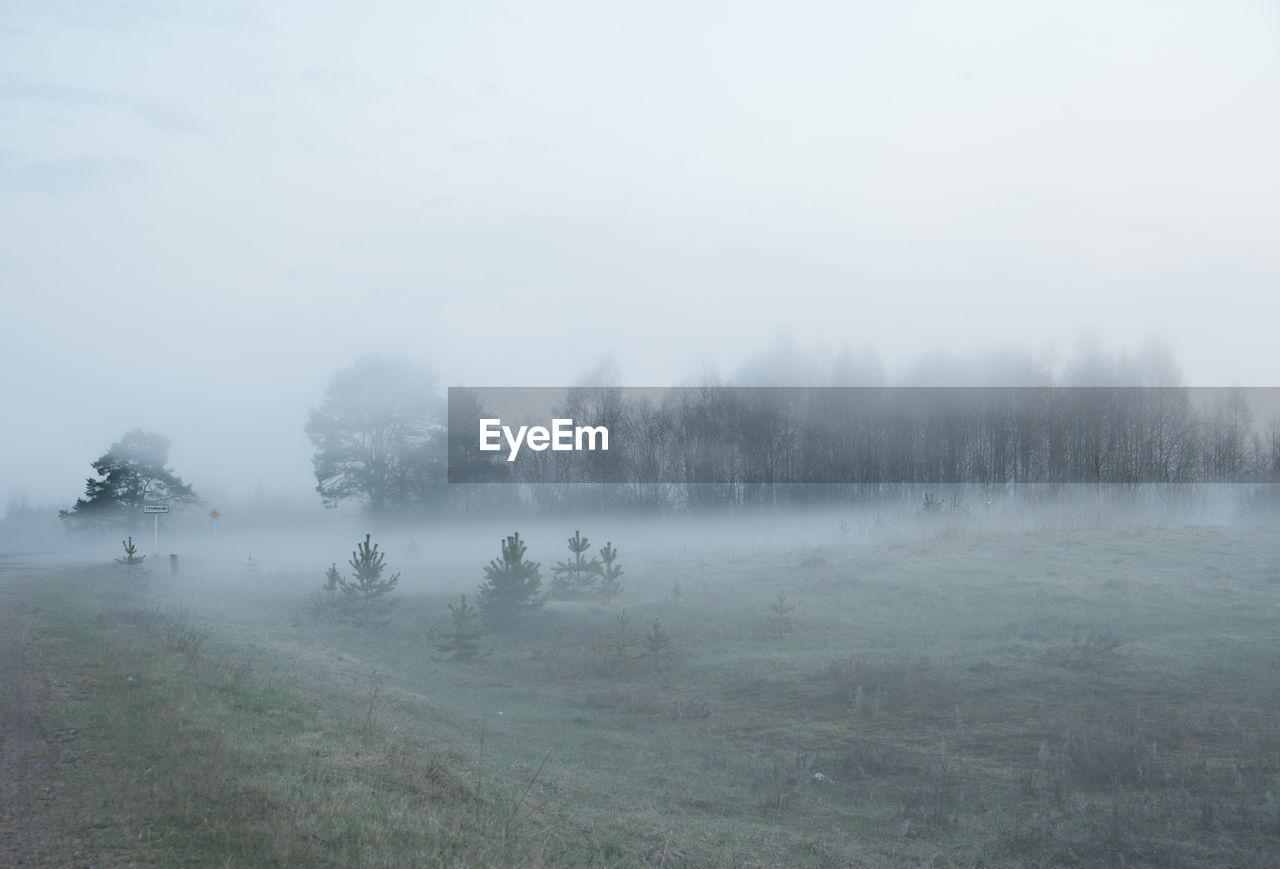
(780, 622)
(576, 577)
(610, 585)
(132, 561)
(369, 586)
(657, 644)
(333, 583)
(362, 598)
(511, 587)
(615, 651)
(131, 556)
(461, 640)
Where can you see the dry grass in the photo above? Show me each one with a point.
(939, 702)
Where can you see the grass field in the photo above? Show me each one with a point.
(1066, 697)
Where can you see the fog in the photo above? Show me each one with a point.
(208, 212)
(247, 250)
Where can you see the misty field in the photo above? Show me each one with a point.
(1082, 697)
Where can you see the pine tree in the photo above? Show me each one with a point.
(332, 583)
(362, 599)
(780, 622)
(511, 585)
(615, 650)
(132, 561)
(610, 584)
(461, 640)
(574, 578)
(656, 645)
(131, 556)
(130, 474)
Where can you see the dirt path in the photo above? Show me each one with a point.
(26, 761)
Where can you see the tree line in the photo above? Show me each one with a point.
(384, 439)
(717, 446)
(738, 446)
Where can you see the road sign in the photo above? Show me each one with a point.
(213, 514)
(157, 509)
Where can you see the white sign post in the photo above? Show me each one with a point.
(156, 509)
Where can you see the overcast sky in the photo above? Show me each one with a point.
(207, 208)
